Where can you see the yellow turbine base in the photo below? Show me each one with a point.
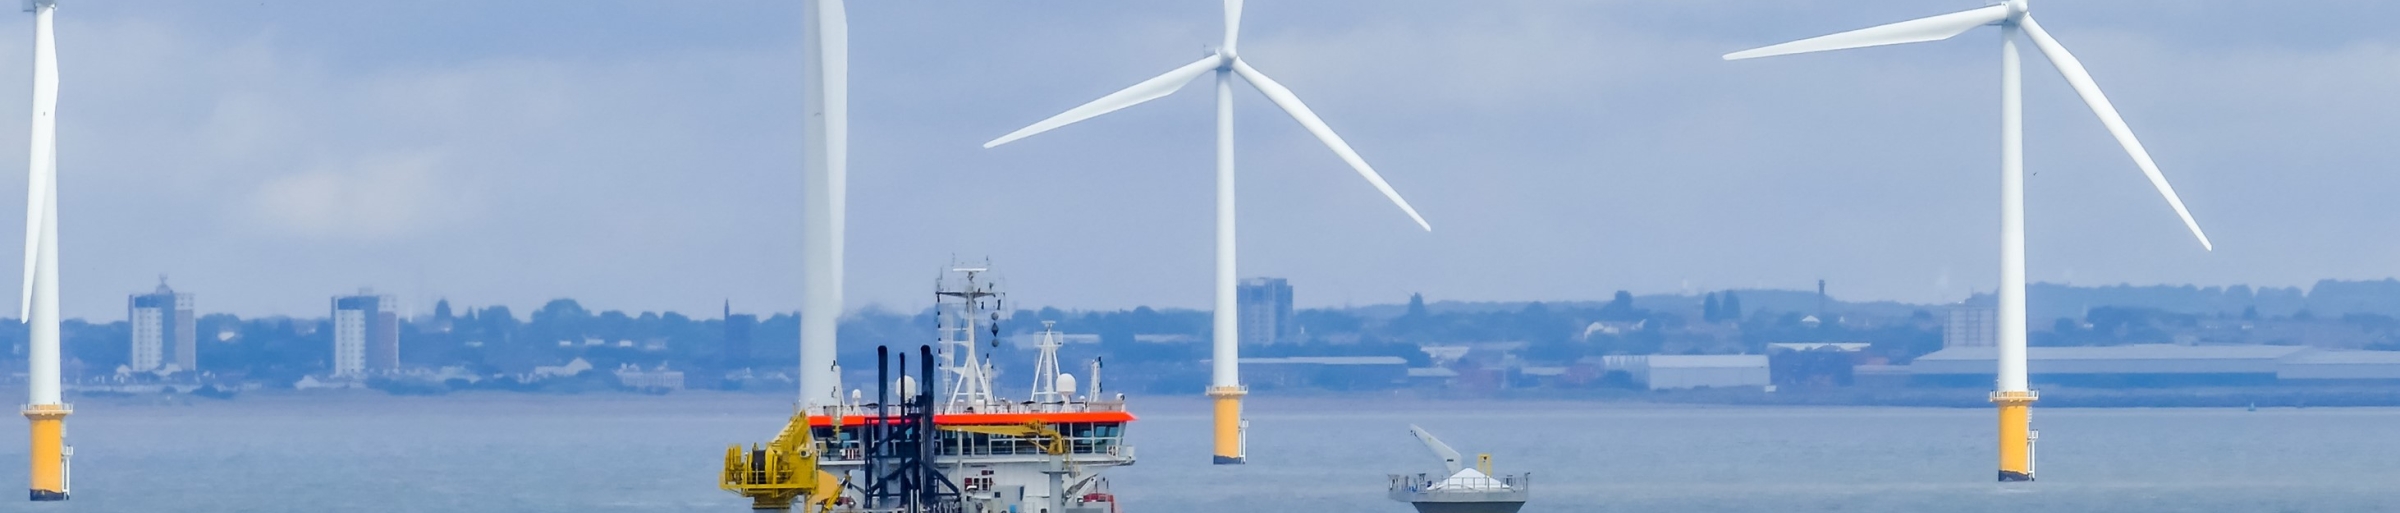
(1228, 432)
(2016, 424)
(49, 432)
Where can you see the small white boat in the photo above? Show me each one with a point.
(1464, 490)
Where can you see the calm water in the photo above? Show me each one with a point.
(370, 453)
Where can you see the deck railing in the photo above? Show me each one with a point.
(972, 444)
(1434, 483)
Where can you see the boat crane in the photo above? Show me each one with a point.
(1450, 459)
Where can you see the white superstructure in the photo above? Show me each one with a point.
(1044, 452)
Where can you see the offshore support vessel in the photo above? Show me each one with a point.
(1465, 490)
(952, 444)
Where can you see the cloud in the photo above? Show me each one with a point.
(646, 159)
(375, 199)
(268, 161)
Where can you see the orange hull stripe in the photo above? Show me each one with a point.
(993, 419)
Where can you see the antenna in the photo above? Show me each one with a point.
(1046, 388)
(1095, 393)
(960, 304)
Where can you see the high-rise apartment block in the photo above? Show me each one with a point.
(1972, 325)
(1265, 307)
(366, 334)
(164, 331)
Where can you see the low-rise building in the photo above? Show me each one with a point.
(1879, 375)
(1814, 364)
(572, 368)
(1665, 371)
(2330, 367)
(655, 379)
(1330, 372)
(1434, 377)
(2145, 365)
(333, 383)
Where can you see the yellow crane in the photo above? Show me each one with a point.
(785, 469)
(778, 474)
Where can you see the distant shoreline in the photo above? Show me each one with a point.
(2060, 397)
(1305, 400)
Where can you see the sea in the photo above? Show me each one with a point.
(506, 452)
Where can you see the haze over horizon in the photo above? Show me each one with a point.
(268, 155)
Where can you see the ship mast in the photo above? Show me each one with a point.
(1046, 393)
(963, 301)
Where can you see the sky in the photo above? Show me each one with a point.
(640, 156)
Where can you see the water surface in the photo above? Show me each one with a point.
(532, 453)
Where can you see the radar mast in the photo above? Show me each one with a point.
(968, 308)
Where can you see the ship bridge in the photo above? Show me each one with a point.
(1088, 433)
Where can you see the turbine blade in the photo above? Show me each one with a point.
(37, 195)
(1152, 89)
(2081, 80)
(1290, 103)
(33, 239)
(1233, 24)
(835, 52)
(42, 166)
(1918, 30)
(825, 132)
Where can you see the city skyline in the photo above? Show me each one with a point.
(343, 350)
(2050, 301)
(496, 158)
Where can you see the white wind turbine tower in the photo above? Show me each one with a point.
(44, 409)
(1225, 383)
(826, 143)
(825, 66)
(2014, 398)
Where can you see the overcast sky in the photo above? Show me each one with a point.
(641, 155)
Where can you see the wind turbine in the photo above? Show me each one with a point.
(824, 134)
(46, 412)
(825, 43)
(2014, 398)
(1225, 384)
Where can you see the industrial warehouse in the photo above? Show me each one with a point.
(1800, 366)
(2164, 365)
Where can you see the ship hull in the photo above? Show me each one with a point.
(1469, 507)
(1464, 501)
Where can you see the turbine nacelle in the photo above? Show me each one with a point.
(35, 5)
(1224, 58)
